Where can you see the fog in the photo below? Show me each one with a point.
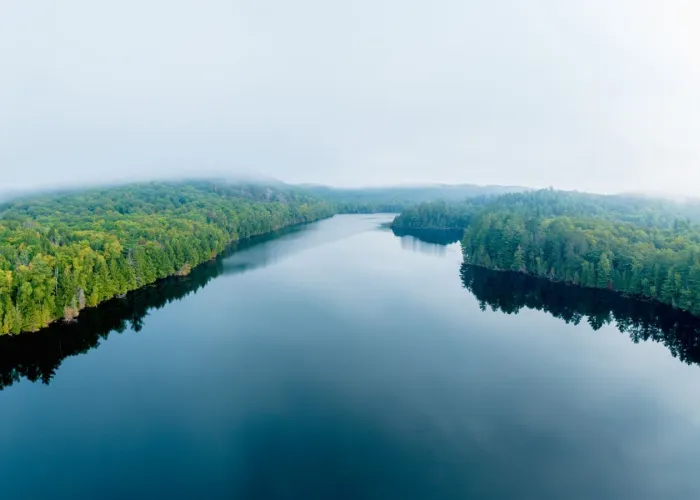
(601, 95)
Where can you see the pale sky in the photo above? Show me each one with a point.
(598, 95)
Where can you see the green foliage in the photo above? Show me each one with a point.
(38, 357)
(61, 253)
(638, 247)
(439, 215)
(548, 203)
(643, 247)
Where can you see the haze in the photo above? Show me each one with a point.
(601, 95)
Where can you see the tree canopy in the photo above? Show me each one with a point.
(642, 247)
(63, 252)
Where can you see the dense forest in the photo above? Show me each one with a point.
(61, 253)
(642, 247)
(37, 357)
(510, 292)
(439, 215)
(645, 212)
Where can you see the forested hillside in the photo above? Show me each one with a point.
(397, 199)
(61, 253)
(641, 247)
(439, 215)
(645, 212)
(65, 251)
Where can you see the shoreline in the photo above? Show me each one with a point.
(177, 275)
(618, 293)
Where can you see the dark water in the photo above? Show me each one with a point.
(339, 360)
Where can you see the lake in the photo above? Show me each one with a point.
(337, 360)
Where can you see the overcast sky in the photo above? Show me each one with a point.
(598, 95)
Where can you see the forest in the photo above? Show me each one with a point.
(38, 357)
(439, 215)
(63, 252)
(641, 247)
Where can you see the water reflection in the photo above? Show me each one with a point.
(430, 242)
(434, 236)
(510, 292)
(296, 239)
(37, 356)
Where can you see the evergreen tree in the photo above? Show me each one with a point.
(604, 272)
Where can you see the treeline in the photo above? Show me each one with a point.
(510, 292)
(648, 262)
(398, 199)
(547, 203)
(64, 252)
(439, 215)
(37, 357)
(642, 247)
(642, 212)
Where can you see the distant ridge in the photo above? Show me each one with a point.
(661, 195)
(414, 193)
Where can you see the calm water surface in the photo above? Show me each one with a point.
(338, 360)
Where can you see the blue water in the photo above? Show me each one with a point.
(337, 361)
